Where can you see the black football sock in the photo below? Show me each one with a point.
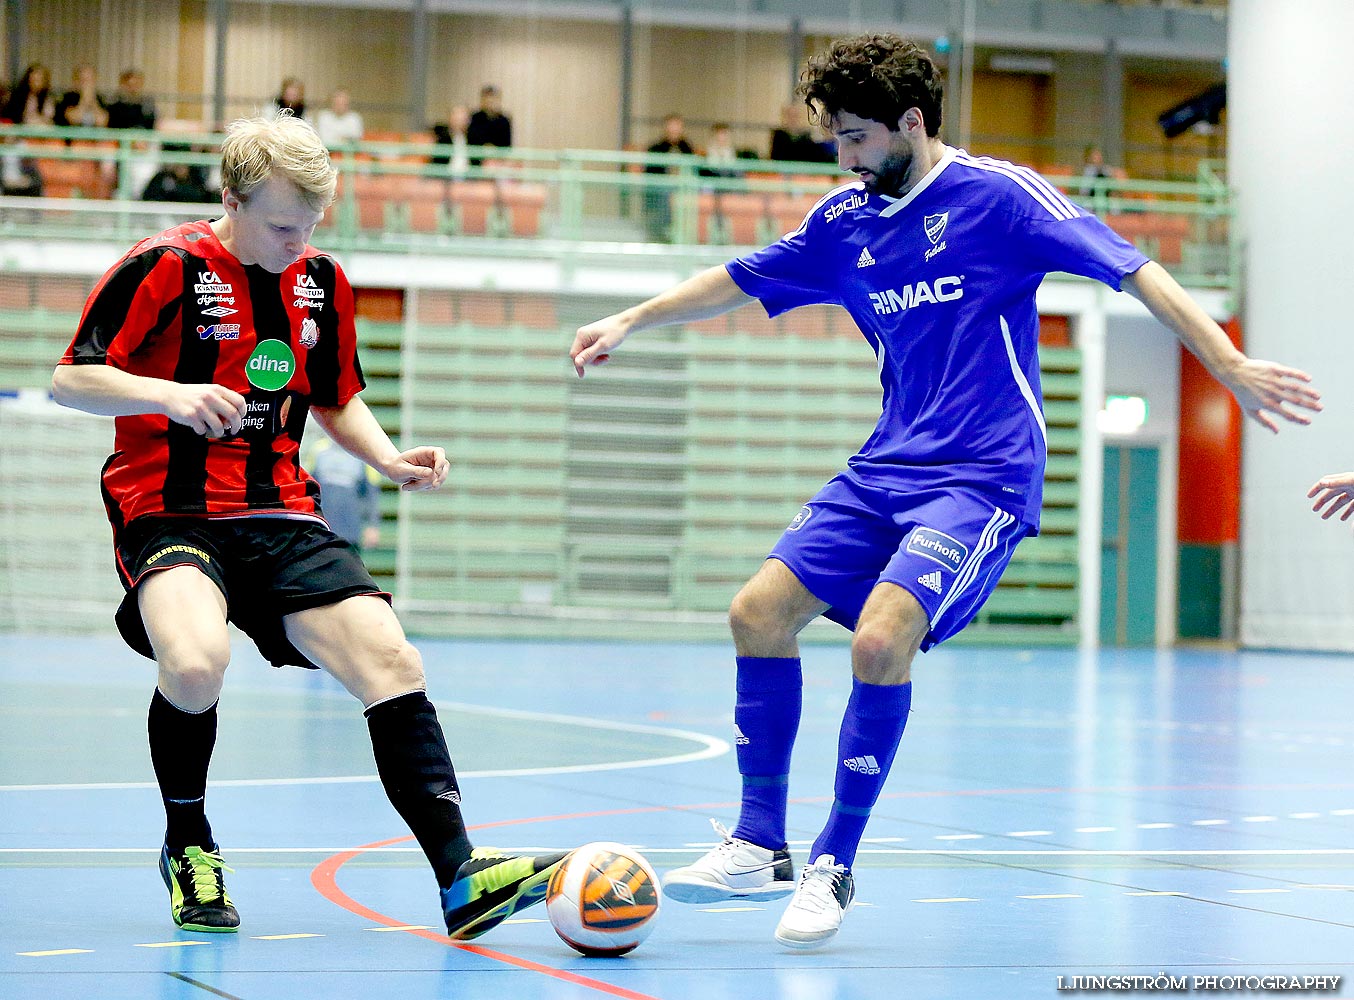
(181, 746)
(415, 768)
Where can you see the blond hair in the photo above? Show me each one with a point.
(256, 148)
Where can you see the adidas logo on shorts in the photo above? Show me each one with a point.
(931, 581)
(862, 765)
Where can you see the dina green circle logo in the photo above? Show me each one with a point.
(271, 365)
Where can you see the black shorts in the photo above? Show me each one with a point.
(267, 568)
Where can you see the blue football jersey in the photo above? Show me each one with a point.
(941, 282)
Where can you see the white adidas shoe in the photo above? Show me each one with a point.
(735, 869)
(825, 892)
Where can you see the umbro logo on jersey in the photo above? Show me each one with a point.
(862, 765)
(931, 581)
(864, 260)
(219, 311)
(738, 736)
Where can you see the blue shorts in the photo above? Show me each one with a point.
(947, 548)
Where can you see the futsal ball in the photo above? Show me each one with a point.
(603, 899)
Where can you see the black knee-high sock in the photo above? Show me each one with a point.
(415, 768)
(181, 746)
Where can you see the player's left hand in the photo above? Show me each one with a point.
(1334, 492)
(417, 469)
(1263, 388)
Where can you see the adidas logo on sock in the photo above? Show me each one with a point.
(864, 260)
(452, 796)
(862, 765)
(738, 736)
(931, 581)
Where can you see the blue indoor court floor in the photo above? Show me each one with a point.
(1051, 813)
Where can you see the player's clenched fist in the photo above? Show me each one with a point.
(211, 410)
(423, 468)
(594, 343)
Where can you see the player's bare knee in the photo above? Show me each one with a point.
(752, 620)
(880, 655)
(191, 678)
(406, 667)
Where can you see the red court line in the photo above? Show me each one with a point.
(324, 877)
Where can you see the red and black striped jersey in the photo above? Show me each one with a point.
(180, 307)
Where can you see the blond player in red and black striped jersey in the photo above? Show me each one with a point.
(211, 343)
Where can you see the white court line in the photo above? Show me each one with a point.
(712, 746)
(901, 851)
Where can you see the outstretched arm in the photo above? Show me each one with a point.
(355, 430)
(1261, 388)
(699, 297)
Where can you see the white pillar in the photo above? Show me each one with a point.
(1290, 146)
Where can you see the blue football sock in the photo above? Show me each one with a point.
(875, 717)
(766, 719)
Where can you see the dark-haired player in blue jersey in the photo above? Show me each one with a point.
(936, 254)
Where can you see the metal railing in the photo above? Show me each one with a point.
(394, 196)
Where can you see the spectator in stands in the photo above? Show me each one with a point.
(292, 97)
(658, 200)
(719, 153)
(82, 105)
(351, 490)
(131, 107)
(489, 126)
(455, 133)
(339, 124)
(793, 140)
(1095, 168)
(179, 182)
(31, 101)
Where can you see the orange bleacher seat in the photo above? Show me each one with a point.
(539, 312)
(482, 308)
(754, 320)
(16, 291)
(808, 321)
(741, 213)
(372, 192)
(788, 210)
(1166, 231)
(718, 326)
(426, 197)
(70, 178)
(523, 203)
(436, 308)
(61, 294)
(473, 199)
(419, 139)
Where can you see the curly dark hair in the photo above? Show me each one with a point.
(878, 77)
